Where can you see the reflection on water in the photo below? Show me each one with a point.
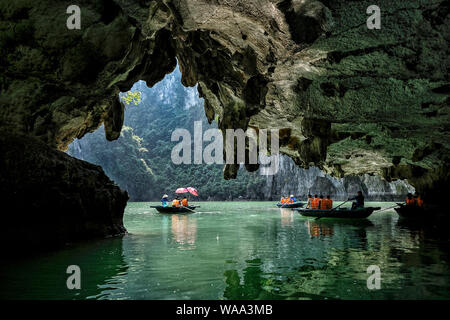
(184, 231)
(318, 229)
(253, 285)
(44, 277)
(244, 251)
(287, 217)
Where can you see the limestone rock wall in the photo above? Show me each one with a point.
(294, 180)
(50, 199)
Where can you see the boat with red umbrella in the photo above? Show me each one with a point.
(174, 210)
(181, 209)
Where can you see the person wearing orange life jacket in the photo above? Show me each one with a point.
(184, 202)
(282, 200)
(329, 202)
(409, 200)
(309, 203)
(176, 202)
(315, 202)
(322, 203)
(417, 200)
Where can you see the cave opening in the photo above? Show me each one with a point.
(139, 161)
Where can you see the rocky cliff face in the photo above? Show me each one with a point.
(346, 99)
(291, 179)
(49, 198)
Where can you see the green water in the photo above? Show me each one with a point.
(242, 250)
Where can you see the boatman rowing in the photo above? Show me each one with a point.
(359, 201)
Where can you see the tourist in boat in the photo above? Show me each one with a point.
(409, 199)
(309, 203)
(184, 202)
(176, 202)
(359, 201)
(292, 199)
(165, 200)
(322, 203)
(315, 202)
(417, 200)
(329, 202)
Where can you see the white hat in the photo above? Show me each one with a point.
(165, 196)
(292, 195)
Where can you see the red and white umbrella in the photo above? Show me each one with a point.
(186, 190)
(192, 191)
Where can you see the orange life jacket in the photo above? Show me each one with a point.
(419, 202)
(315, 203)
(410, 202)
(322, 204)
(184, 202)
(291, 200)
(329, 203)
(175, 203)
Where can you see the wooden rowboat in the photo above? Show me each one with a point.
(344, 213)
(291, 205)
(409, 211)
(429, 213)
(174, 210)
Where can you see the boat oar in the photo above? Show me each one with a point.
(341, 204)
(335, 208)
(389, 207)
(189, 209)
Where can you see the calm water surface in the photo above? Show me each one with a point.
(243, 250)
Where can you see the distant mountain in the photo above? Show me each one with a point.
(140, 160)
